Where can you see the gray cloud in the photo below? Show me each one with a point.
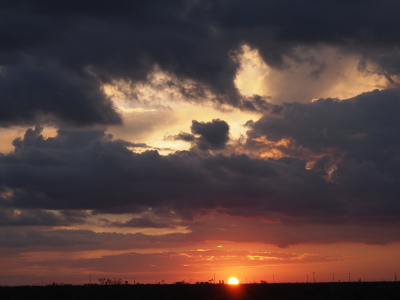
(139, 223)
(361, 125)
(34, 93)
(354, 140)
(338, 159)
(55, 57)
(44, 240)
(89, 170)
(212, 135)
(11, 217)
(98, 173)
(354, 183)
(371, 231)
(183, 136)
(27, 238)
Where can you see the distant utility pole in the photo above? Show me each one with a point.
(333, 277)
(395, 277)
(349, 277)
(313, 275)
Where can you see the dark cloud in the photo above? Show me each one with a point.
(103, 175)
(335, 161)
(68, 139)
(361, 125)
(27, 238)
(369, 231)
(354, 179)
(139, 223)
(11, 217)
(115, 43)
(212, 135)
(354, 140)
(55, 57)
(220, 227)
(33, 93)
(43, 240)
(183, 136)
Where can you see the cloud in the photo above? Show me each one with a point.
(11, 217)
(352, 179)
(59, 57)
(216, 227)
(36, 94)
(321, 162)
(213, 135)
(89, 170)
(183, 136)
(185, 261)
(360, 124)
(311, 169)
(139, 223)
(360, 129)
(352, 143)
(27, 238)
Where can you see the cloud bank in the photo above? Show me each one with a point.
(95, 96)
(338, 166)
(63, 53)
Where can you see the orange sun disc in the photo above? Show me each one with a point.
(233, 281)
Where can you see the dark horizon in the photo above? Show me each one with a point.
(366, 290)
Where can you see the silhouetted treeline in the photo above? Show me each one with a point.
(291, 291)
(109, 281)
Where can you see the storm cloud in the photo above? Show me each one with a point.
(172, 124)
(62, 53)
(88, 170)
(205, 136)
(103, 174)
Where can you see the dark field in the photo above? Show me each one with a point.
(326, 291)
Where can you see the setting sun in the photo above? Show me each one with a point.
(233, 281)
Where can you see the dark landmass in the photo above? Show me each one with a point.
(290, 291)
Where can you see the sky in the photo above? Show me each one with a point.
(163, 141)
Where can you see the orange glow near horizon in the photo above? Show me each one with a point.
(233, 281)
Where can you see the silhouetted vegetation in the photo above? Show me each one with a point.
(292, 291)
(109, 281)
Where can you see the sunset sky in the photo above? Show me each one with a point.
(181, 140)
